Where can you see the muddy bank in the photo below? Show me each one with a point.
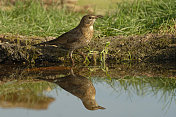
(153, 48)
(20, 49)
(11, 72)
(147, 48)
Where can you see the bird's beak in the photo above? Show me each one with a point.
(98, 16)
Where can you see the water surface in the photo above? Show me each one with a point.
(55, 91)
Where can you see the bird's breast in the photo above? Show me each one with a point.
(87, 35)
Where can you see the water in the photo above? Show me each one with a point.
(130, 96)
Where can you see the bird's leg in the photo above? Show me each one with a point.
(70, 55)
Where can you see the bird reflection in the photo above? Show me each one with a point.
(79, 86)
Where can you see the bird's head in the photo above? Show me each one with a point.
(88, 20)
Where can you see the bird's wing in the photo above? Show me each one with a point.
(66, 38)
(70, 37)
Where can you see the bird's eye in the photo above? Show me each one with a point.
(90, 17)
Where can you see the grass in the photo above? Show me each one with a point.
(31, 18)
(136, 17)
(141, 17)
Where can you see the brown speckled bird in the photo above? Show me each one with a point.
(78, 86)
(76, 38)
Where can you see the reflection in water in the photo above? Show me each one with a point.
(24, 94)
(163, 89)
(79, 86)
(15, 100)
(133, 82)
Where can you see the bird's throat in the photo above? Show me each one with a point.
(91, 28)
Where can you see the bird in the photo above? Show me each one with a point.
(78, 37)
(78, 86)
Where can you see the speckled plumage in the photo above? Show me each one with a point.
(76, 38)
